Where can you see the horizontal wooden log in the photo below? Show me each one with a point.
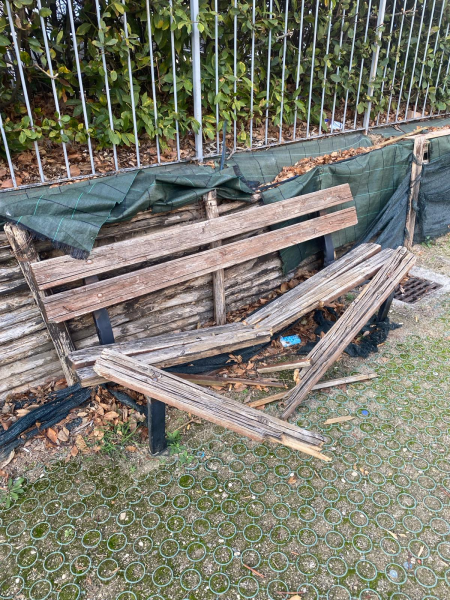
(72, 303)
(331, 346)
(64, 269)
(206, 404)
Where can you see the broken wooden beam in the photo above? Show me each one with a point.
(331, 346)
(274, 367)
(319, 386)
(206, 404)
(211, 380)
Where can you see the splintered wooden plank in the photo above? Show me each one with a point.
(274, 367)
(331, 346)
(206, 404)
(74, 303)
(316, 296)
(172, 349)
(319, 386)
(64, 269)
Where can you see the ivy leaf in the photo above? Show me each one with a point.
(4, 41)
(45, 12)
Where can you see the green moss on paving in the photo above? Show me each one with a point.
(374, 523)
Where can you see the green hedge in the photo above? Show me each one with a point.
(339, 81)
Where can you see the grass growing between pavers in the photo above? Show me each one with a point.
(242, 520)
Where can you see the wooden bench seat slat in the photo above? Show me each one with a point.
(65, 269)
(331, 346)
(206, 404)
(72, 303)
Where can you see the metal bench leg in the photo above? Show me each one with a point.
(156, 420)
(385, 308)
(329, 254)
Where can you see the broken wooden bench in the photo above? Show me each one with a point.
(60, 305)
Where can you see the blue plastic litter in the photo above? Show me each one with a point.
(290, 340)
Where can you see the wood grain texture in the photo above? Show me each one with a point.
(66, 305)
(275, 367)
(331, 346)
(25, 253)
(218, 277)
(205, 404)
(64, 269)
(173, 349)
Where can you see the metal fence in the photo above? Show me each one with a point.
(145, 83)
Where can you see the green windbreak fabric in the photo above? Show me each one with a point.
(433, 209)
(373, 178)
(71, 216)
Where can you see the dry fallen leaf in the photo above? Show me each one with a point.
(63, 436)
(109, 416)
(131, 448)
(74, 451)
(80, 443)
(52, 435)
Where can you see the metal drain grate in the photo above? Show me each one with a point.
(414, 289)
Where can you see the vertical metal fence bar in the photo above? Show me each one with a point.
(424, 57)
(52, 79)
(286, 16)
(397, 55)
(152, 74)
(341, 37)
(374, 65)
(330, 15)
(8, 155)
(174, 77)
(24, 87)
(268, 74)
(108, 97)
(252, 73)
(300, 49)
(80, 82)
(445, 84)
(313, 60)
(130, 77)
(350, 66)
(216, 61)
(387, 55)
(361, 68)
(440, 68)
(196, 78)
(434, 57)
(235, 78)
(406, 62)
(337, 70)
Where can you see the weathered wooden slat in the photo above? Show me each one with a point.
(275, 367)
(25, 253)
(205, 404)
(416, 173)
(64, 269)
(331, 346)
(218, 277)
(319, 386)
(181, 348)
(66, 305)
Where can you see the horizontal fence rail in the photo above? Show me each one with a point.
(119, 85)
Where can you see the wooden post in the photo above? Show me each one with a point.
(26, 253)
(220, 312)
(416, 173)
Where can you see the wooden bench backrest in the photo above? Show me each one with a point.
(58, 271)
